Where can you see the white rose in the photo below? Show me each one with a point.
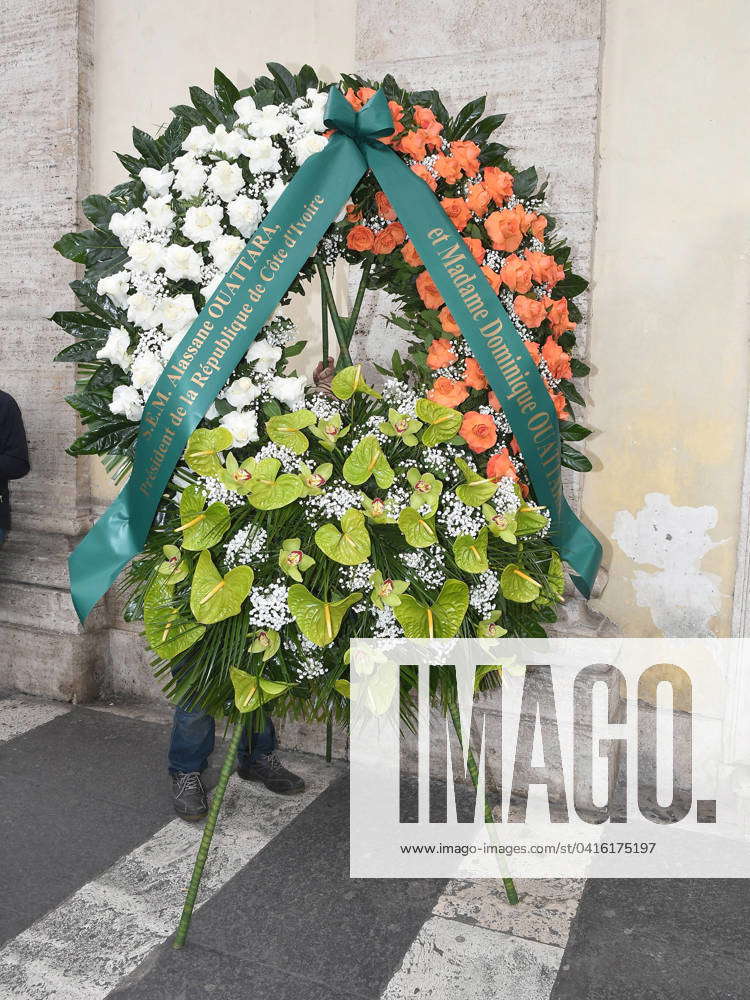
(115, 287)
(145, 372)
(116, 348)
(264, 157)
(203, 223)
(305, 147)
(290, 391)
(229, 143)
(182, 262)
(244, 109)
(145, 256)
(127, 402)
(168, 348)
(243, 425)
(190, 178)
(157, 182)
(265, 355)
(211, 413)
(177, 314)
(274, 192)
(225, 180)
(312, 117)
(126, 226)
(199, 141)
(208, 289)
(159, 212)
(225, 250)
(241, 392)
(245, 214)
(267, 121)
(143, 310)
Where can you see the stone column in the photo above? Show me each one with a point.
(46, 51)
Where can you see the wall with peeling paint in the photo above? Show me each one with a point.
(669, 340)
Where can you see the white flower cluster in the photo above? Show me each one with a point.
(457, 518)
(308, 661)
(246, 546)
(268, 607)
(353, 578)
(331, 505)
(426, 566)
(483, 593)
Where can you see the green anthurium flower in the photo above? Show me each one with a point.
(471, 553)
(501, 525)
(269, 491)
(516, 585)
(489, 629)
(443, 423)
(266, 641)
(426, 489)
(214, 597)
(350, 380)
(203, 447)
(386, 591)
(367, 459)
(319, 620)
(529, 520)
(343, 687)
(484, 669)
(418, 530)
(401, 425)
(236, 477)
(174, 568)
(441, 620)
(555, 580)
(376, 510)
(293, 560)
(250, 692)
(286, 429)
(476, 490)
(201, 527)
(169, 631)
(313, 480)
(329, 431)
(350, 546)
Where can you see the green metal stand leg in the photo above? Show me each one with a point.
(213, 813)
(510, 889)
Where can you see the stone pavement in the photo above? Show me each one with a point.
(95, 867)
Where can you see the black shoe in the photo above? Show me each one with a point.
(273, 774)
(189, 796)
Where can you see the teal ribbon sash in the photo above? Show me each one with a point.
(250, 291)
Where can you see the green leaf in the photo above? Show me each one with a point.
(441, 620)
(573, 459)
(573, 432)
(201, 528)
(286, 430)
(203, 447)
(471, 553)
(269, 491)
(81, 350)
(81, 324)
(319, 621)
(556, 575)
(525, 183)
(350, 380)
(468, 115)
(98, 210)
(516, 585)
(443, 423)
(100, 251)
(570, 392)
(418, 531)
(147, 147)
(207, 105)
(284, 80)
(367, 459)
(343, 687)
(226, 92)
(570, 286)
(213, 597)
(476, 490)
(351, 545)
(167, 633)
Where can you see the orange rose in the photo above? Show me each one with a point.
(384, 242)
(493, 277)
(524, 218)
(558, 316)
(478, 431)
(364, 94)
(499, 183)
(467, 154)
(537, 225)
(531, 312)
(448, 167)
(424, 118)
(360, 238)
(544, 268)
(428, 292)
(473, 375)
(413, 144)
(421, 171)
(516, 274)
(353, 99)
(440, 354)
(397, 114)
(448, 323)
(478, 199)
(475, 247)
(457, 211)
(353, 214)
(447, 392)
(504, 229)
(557, 360)
(494, 402)
(533, 348)
(398, 232)
(384, 207)
(561, 405)
(410, 255)
(500, 466)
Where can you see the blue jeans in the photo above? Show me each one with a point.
(192, 742)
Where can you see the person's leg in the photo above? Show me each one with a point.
(192, 741)
(260, 762)
(261, 744)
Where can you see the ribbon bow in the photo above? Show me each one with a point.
(373, 122)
